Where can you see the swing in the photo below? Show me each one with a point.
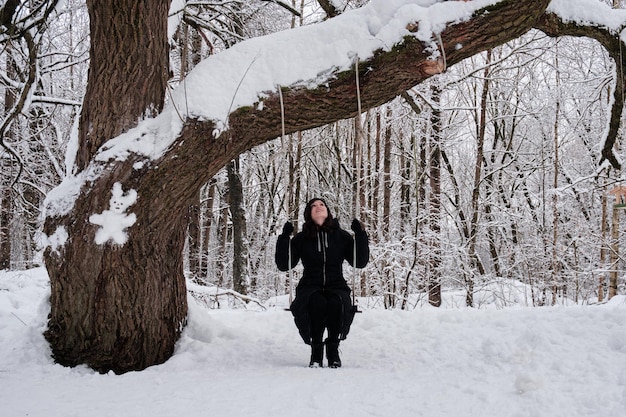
(356, 209)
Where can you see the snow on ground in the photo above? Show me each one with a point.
(516, 361)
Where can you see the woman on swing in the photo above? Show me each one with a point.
(322, 300)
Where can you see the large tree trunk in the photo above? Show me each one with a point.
(122, 307)
(116, 307)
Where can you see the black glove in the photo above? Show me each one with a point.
(287, 229)
(356, 226)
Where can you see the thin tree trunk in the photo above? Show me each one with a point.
(405, 186)
(7, 207)
(237, 212)
(476, 263)
(223, 234)
(555, 185)
(390, 281)
(376, 175)
(614, 258)
(434, 204)
(416, 225)
(5, 235)
(207, 199)
(603, 245)
(194, 245)
(613, 276)
(387, 183)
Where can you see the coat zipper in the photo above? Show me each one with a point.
(321, 246)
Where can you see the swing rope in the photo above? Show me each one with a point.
(282, 112)
(358, 135)
(359, 129)
(282, 125)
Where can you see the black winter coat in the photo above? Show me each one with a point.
(322, 257)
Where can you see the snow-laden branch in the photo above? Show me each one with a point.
(590, 13)
(308, 57)
(215, 292)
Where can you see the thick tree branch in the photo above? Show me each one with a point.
(389, 74)
(383, 77)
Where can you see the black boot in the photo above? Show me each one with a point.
(332, 354)
(317, 355)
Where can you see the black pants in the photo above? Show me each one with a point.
(325, 313)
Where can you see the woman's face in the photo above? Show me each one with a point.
(319, 212)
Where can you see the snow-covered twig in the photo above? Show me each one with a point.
(216, 292)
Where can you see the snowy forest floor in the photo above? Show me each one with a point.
(516, 361)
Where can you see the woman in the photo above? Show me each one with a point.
(322, 300)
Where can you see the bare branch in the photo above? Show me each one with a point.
(33, 18)
(285, 6)
(27, 91)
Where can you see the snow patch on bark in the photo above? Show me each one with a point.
(56, 240)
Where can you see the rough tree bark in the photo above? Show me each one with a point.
(122, 308)
(128, 70)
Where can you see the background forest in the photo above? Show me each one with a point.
(487, 175)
